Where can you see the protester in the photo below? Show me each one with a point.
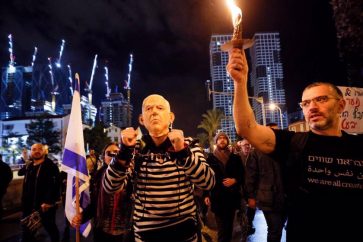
(24, 157)
(63, 182)
(111, 212)
(6, 175)
(92, 162)
(244, 150)
(41, 191)
(165, 167)
(225, 197)
(265, 191)
(323, 168)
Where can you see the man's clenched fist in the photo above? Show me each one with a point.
(176, 136)
(128, 136)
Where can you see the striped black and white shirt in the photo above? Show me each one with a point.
(163, 186)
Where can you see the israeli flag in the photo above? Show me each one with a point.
(74, 163)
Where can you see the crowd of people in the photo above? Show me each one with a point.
(143, 189)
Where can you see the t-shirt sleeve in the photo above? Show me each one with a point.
(282, 147)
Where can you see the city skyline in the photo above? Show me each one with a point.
(170, 44)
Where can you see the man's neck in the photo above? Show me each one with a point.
(158, 140)
(328, 132)
(38, 161)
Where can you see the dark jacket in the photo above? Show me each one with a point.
(6, 175)
(111, 212)
(225, 198)
(264, 182)
(41, 185)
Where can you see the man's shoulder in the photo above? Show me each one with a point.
(356, 137)
(5, 168)
(49, 163)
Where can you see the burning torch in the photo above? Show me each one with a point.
(237, 41)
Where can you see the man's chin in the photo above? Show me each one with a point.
(318, 125)
(158, 133)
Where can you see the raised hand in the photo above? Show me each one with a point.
(128, 136)
(237, 66)
(176, 136)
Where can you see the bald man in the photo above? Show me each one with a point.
(41, 190)
(166, 167)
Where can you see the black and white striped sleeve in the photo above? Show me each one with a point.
(115, 180)
(196, 167)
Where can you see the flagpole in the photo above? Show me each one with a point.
(78, 237)
(77, 206)
(74, 163)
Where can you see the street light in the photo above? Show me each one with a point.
(257, 99)
(273, 107)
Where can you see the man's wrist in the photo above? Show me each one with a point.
(181, 155)
(125, 153)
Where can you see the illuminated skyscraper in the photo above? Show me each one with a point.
(114, 110)
(266, 80)
(267, 77)
(221, 83)
(15, 92)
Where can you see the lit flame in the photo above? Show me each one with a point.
(236, 12)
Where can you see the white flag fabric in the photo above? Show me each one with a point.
(74, 164)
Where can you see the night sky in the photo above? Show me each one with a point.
(170, 43)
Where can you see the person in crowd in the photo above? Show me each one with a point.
(111, 212)
(322, 168)
(24, 157)
(92, 162)
(63, 183)
(41, 191)
(265, 190)
(6, 175)
(225, 197)
(245, 148)
(163, 166)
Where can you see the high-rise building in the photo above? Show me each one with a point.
(266, 78)
(88, 111)
(115, 110)
(15, 95)
(221, 84)
(29, 91)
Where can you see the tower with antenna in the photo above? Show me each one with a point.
(54, 91)
(11, 55)
(58, 63)
(34, 55)
(108, 90)
(114, 108)
(70, 78)
(128, 89)
(15, 87)
(88, 89)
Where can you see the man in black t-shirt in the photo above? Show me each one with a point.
(324, 176)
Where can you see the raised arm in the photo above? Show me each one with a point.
(261, 137)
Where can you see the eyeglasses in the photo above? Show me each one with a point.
(319, 100)
(112, 153)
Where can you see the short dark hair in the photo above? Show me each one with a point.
(334, 87)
